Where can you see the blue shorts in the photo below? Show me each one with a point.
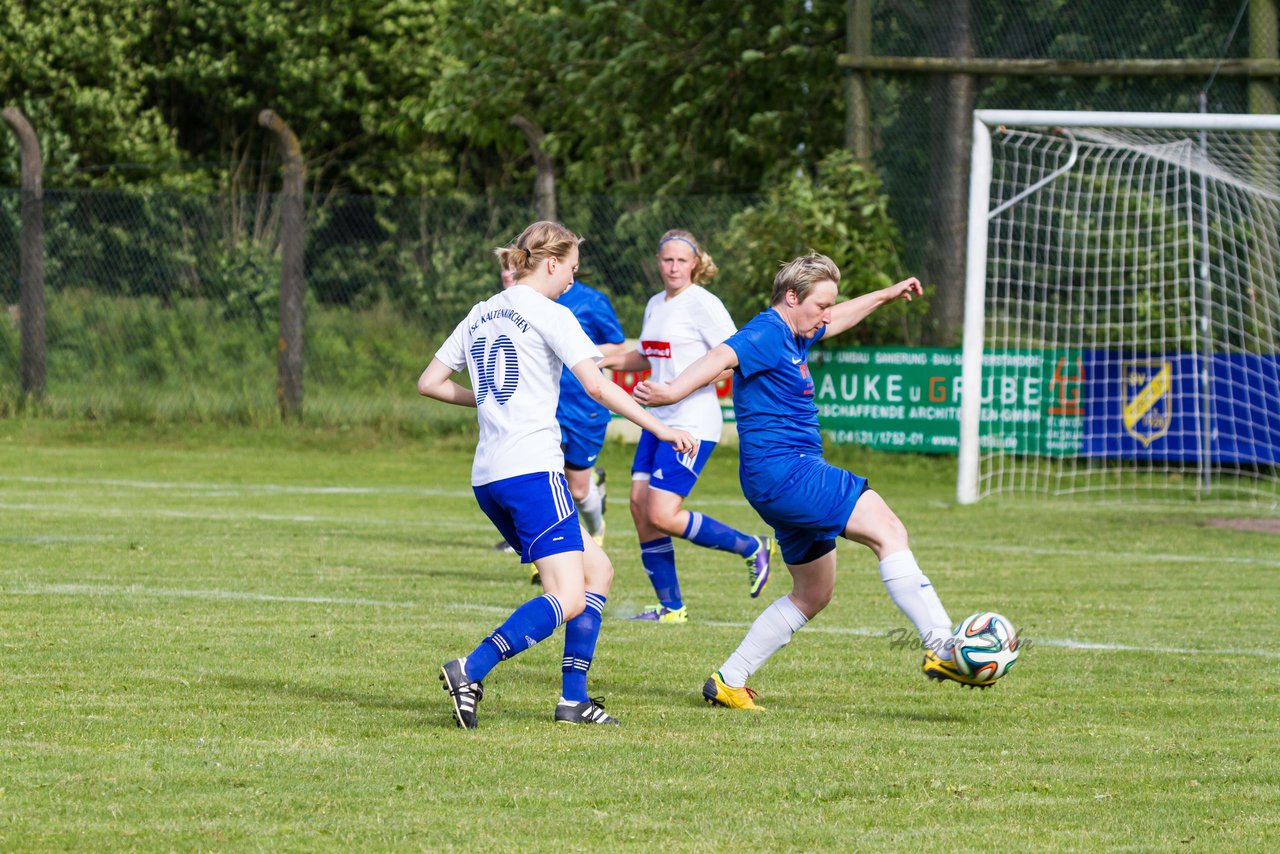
(534, 513)
(813, 507)
(582, 441)
(658, 463)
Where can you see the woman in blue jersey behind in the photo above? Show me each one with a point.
(583, 420)
(808, 501)
(514, 345)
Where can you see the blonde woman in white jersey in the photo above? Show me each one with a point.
(681, 324)
(514, 345)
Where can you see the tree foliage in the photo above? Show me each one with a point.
(77, 71)
(334, 72)
(646, 96)
(642, 97)
(650, 103)
(1041, 29)
(152, 85)
(840, 211)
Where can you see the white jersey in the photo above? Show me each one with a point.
(513, 345)
(676, 333)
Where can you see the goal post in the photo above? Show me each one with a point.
(1122, 307)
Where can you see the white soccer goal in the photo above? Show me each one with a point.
(1122, 310)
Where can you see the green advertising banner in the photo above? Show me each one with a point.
(908, 399)
(1031, 402)
(894, 398)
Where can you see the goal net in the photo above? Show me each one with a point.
(1122, 311)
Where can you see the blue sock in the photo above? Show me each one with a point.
(712, 534)
(580, 636)
(533, 621)
(659, 559)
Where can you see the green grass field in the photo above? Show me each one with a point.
(223, 640)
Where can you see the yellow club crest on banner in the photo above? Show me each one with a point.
(1147, 401)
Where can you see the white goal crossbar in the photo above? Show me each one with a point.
(1126, 263)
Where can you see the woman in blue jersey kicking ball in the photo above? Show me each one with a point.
(808, 501)
(514, 345)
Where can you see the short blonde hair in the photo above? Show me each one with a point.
(704, 269)
(801, 274)
(541, 240)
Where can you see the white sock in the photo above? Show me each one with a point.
(914, 595)
(771, 631)
(591, 509)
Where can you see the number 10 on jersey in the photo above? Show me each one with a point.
(488, 377)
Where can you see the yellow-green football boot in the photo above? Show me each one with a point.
(943, 669)
(717, 693)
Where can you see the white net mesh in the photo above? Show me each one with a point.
(1132, 315)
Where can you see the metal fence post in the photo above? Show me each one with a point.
(292, 279)
(31, 254)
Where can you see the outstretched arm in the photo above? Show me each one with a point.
(705, 371)
(616, 351)
(848, 314)
(623, 359)
(620, 402)
(436, 382)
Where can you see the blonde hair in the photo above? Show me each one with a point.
(704, 269)
(537, 243)
(801, 274)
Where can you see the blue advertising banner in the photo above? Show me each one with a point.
(1055, 402)
(1155, 407)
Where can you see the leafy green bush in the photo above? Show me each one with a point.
(839, 211)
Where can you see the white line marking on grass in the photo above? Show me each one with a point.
(233, 489)
(183, 514)
(1158, 557)
(52, 539)
(487, 609)
(1055, 642)
(1123, 647)
(338, 521)
(828, 630)
(205, 490)
(170, 593)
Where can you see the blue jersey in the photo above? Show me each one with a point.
(596, 316)
(773, 398)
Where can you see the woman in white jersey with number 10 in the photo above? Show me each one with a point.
(681, 324)
(514, 345)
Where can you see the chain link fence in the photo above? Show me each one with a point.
(910, 126)
(162, 305)
(165, 306)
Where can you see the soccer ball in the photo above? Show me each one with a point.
(985, 646)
